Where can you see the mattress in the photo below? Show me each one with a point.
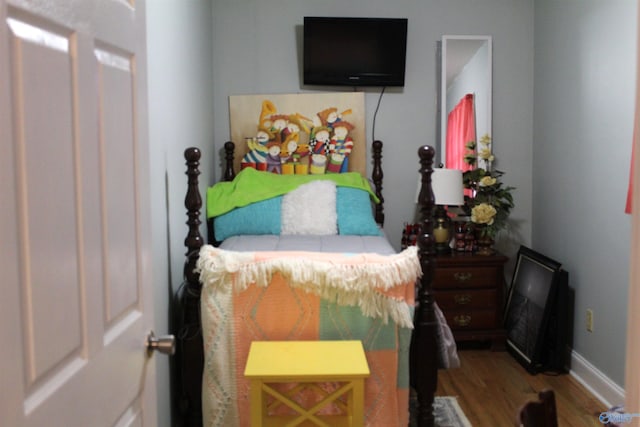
(310, 243)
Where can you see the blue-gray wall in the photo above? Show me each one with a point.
(583, 128)
(259, 41)
(180, 79)
(200, 52)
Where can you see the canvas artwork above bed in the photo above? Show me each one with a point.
(302, 134)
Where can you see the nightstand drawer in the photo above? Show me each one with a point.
(468, 289)
(467, 298)
(471, 319)
(464, 277)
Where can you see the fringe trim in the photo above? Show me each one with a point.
(347, 284)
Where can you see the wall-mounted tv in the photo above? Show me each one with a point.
(354, 51)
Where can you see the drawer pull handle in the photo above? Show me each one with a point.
(462, 277)
(462, 299)
(462, 320)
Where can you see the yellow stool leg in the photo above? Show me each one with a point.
(358, 403)
(257, 404)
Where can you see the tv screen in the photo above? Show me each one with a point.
(354, 51)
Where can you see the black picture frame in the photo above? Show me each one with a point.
(530, 307)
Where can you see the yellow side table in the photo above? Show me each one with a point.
(307, 363)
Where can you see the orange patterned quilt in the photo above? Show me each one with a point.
(249, 296)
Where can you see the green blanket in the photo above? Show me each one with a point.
(251, 186)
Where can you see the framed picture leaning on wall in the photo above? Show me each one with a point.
(538, 288)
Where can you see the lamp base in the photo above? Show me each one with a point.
(441, 231)
(443, 249)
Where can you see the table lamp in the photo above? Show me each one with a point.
(447, 191)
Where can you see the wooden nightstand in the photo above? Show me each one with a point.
(469, 290)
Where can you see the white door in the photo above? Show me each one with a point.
(75, 285)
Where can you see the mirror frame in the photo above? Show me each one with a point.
(444, 84)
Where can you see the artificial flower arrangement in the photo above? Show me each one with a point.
(488, 202)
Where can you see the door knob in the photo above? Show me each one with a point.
(165, 344)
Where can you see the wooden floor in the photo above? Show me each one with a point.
(491, 386)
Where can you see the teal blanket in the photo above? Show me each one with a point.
(251, 186)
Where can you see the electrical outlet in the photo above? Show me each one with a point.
(589, 320)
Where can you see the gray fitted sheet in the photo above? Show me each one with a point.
(333, 243)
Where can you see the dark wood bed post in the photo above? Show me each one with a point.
(424, 347)
(189, 357)
(193, 203)
(229, 173)
(188, 362)
(377, 176)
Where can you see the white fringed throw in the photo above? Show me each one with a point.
(364, 280)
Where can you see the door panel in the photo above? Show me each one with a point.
(117, 142)
(76, 301)
(50, 284)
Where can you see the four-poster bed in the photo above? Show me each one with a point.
(191, 362)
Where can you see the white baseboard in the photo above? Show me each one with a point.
(598, 384)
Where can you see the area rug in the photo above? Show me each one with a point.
(447, 413)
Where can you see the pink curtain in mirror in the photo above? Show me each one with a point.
(461, 128)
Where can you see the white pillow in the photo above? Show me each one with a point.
(310, 209)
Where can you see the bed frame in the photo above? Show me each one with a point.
(187, 364)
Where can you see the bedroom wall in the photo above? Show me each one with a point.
(585, 53)
(200, 52)
(584, 78)
(180, 82)
(259, 41)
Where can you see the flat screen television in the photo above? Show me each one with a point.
(354, 51)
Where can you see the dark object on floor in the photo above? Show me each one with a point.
(540, 413)
(536, 312)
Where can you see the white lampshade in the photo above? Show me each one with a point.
(447, 187)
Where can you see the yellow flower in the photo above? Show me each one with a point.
(483, 213)
(487, 181)
(485, 139)
(485, 154)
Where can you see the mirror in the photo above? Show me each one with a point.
(465, 95)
